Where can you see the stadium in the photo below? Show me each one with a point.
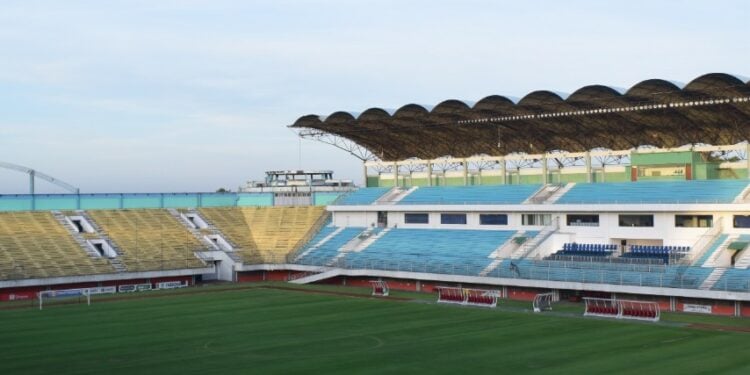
(608, 208)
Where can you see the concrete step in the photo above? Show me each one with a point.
(317, 277)
(491, 267)
(712, 278)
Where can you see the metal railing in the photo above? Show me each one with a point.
(520, 201)
(704, 242)
(633, 275)
(531, 244)
(625, 264)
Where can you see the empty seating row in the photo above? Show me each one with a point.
(671, 276)
(641, 249)
(35, 245)
(734, 279)
(500, 194)
(431, 250)
(692, 191)
(149, 239)
(322, 249)
(264, 234)
(666, 254)
(587, 249)
(362, 196)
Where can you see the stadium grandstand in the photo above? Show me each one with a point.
(643, 194)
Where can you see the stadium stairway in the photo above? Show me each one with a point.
(325, 246)
(150, 239)
(200, 234)
(530, 247)
(430, 250)
(395, 195)
(317, 277)
(712, 278)
(503, 251)
(548, 193)
(60, 217)
(362, 196)
(35, 245)
(743, 258)
(711, 255)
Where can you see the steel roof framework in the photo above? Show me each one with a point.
(711, 109)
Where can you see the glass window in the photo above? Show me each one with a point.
(583, 220)
(493, 219)
(693, 221)
(741, 221)
(452, 218)
(636, 220)
(536, 219)
(416, 218)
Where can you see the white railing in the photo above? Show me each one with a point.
(633, 274)
(530, 245)
(704, 242)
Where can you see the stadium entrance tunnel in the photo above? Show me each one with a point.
(103, 248)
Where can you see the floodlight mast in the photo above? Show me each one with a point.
(36, 174)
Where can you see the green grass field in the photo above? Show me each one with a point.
(262, 331)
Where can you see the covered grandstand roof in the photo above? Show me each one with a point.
(713, 109)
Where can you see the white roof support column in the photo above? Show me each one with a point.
(466, 171)
(503, 172)
(429, 172)
(395, 174)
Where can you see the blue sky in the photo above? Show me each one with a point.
(145, 96)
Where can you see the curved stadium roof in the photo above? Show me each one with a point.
(713, 109)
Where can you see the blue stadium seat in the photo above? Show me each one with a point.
(363, 196)
(432, 250)
(328, 250)
(693, 191)
(499, 194)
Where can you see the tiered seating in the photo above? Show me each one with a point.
(501, 194)
(264, 234)
(323, 254)
(690, 277)
(669, 276)
(693, 191)
(150, 239)
(587, 249)
(363, 196)
(431, 250)
(663, 253)
(734, 279)
(34, 245)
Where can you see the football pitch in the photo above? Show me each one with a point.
(261, 330)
